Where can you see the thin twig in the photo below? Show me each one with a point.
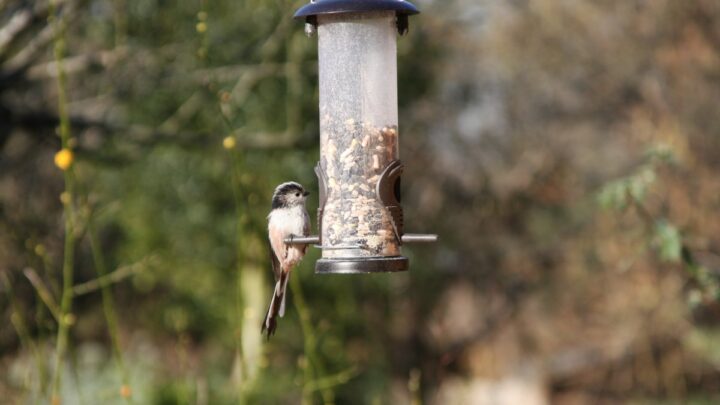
(20, 23)
(31, 50)
(332, 380)
(187, 109)
(120, 22)
(313, 370)
(249, 79)
(23, 333)
(105, 280)
(77, 64)
(108, 307)
(13, 27)
(232, 72)
(65, 320)
(44, 292)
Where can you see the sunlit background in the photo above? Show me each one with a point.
(565, 151)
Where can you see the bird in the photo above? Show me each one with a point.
(288, 218)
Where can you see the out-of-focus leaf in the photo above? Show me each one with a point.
(617, 194)
(614, 195)
(668, 240)
(661, 152)
(639, 183)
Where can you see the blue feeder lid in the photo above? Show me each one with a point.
(402, 8)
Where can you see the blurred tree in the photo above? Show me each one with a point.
(516, 117)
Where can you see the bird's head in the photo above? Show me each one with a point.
(289, 194)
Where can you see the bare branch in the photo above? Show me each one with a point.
(332, 380)
(116, 276)
(12, 28)
(77, 64)
(43, 292)
(23, 59)
(21, 22)
(186, 110)
(232, 72)
(245, 83)
(265, 140)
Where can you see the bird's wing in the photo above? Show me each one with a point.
(306, 229)
(277, 246)
(306, 226)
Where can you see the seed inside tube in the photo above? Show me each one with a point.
(353, 155)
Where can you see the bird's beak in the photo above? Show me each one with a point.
(307, 193)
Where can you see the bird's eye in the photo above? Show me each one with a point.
(297, 194)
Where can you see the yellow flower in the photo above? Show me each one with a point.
(65, 197)
(40, 249)
(69, 319)
(229, 142)
(125, 391)
(64, 159)
(201, 27)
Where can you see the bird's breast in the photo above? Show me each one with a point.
(288, 220)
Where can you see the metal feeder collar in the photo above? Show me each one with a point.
(402, 9)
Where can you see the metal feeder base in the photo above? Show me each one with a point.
(361, 265)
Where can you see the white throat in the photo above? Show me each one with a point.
(290, 220)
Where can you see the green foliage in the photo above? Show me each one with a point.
(660, 153)
(619, 194)
(633, 188)
(668, 240)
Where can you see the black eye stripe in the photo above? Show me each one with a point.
(287, 194)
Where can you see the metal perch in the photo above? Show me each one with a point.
(406, 238)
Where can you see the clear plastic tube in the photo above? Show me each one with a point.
(358, 131)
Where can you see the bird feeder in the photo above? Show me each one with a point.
(360, 219)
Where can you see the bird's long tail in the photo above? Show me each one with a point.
(277, 305)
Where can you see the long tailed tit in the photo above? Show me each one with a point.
(288, 218)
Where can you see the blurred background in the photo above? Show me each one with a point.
(565, 151)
